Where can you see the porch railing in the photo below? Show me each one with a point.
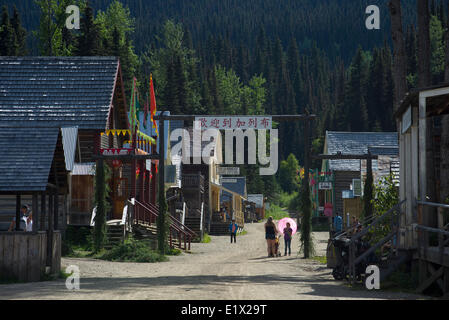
(394, 213)
(178, 232)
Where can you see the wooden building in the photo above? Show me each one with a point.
(259, 200)
(424, 223)
(342, 173)
(200, 182)
(86, 93)
(32, 165)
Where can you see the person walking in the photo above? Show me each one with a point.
(233, 227)
(270, 236)
(288, 239)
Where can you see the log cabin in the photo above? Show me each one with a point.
(32, 165)
(85, 93)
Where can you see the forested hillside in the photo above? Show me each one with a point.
(249, 56)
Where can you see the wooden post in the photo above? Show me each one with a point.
(161, 172)
(43, 211)
(50, 216)
(446, 280)
(133, 166)
(56, 210)
(18, 208)
(35, 211)
(141, 181)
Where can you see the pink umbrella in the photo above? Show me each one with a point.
(283, 224)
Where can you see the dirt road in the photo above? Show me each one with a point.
(217, 270)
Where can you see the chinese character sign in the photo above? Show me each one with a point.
(234, 122)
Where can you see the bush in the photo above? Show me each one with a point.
(276, 212)
(133, 251)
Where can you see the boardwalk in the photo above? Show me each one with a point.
(217, 270)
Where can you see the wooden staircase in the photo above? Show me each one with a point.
(144, 223)
(115, 235)
(194, 224)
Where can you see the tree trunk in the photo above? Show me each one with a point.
(424, 80)
(424, 76)
(444, 146)
(400, 58)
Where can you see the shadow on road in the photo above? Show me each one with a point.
(319, 286)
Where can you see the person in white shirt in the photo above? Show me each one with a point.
(29, 227)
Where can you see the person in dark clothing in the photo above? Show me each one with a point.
(233, 227)
(270, 236)
(288, 239)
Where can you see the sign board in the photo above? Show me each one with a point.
(357, 187)
(407, 120)
(115, 152)
(234, 122)
(228, 171)
(347, 194)
(327, 185)
(229, 181)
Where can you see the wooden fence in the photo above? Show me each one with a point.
(23, 255)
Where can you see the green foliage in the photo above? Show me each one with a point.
(12, 34)
(386, 196)
(276, 212)
(132, 251)
(436, 46)
(206, 238)
(52, 24)
(163, 225)
(288, 173)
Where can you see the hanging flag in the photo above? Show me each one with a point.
(145, 111)
(153, 103)
(133, 106)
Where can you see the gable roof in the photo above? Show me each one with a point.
(385, 143)
(26, 158)
(57, 91)
(257, 199)
(235, 184)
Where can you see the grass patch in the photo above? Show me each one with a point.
(206, 238)
(244, 232)
(131, 251)
(277, 212)
(320, 259)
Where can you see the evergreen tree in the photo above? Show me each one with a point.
(20, 34)
(355, 93)
(89, 41)
(8, 43)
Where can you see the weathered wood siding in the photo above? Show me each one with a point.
(343, 181)
(23, 255)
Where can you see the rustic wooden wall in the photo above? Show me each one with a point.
(343, 180)
(23, 255)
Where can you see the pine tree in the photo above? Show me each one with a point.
(8, 43)
(20, 34)
(89, 41)
(355, 93)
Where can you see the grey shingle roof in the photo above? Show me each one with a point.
(26, 156)
(56, 91)
(235, 184)
(358, 143)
